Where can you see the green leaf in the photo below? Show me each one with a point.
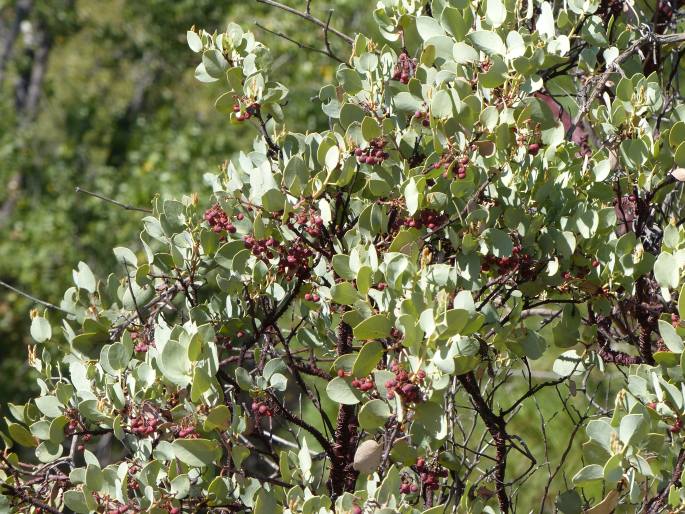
(441, 105)
(464, 54)
(345, 293)
(666, 270)
(495, 13)
(196, 452)
(671, 338)
(84, 278)
(94, 477)
(341, 391)
(194, 41)
(215, 63)
(375, 327)
(588, 474)
(428, 27)
(21, 435)
(373, 414)
(219, 418)
(488, 42)
(76, 501)
(497, 242)
(49, 405)
(40, 329)
(368, 358)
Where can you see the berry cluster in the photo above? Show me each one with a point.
(372, 154)
(404, 68)
(430, 475)
(312, 297)
(426, 218)
(311, 222)
(363, 384)
(249, 111)
(261, 409)
(408, 486)
(218, 220)
(143, 343)
(506, 264)
(423, 116)
(71, 427)
(188, 433)
(677, 426)
(446, 161)
(533, 149)
(143, 425)
(404, 384)
(294, 261)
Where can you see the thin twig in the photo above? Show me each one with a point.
(326, 29)
(114, 202)
(32, 298)
(307, 16)
(598, 82)
(328, 53)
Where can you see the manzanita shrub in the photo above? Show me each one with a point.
(376, 318)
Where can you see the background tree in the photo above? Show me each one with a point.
(424, 306)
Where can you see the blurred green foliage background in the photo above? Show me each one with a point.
(100, 94)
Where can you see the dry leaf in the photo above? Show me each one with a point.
(367, 458)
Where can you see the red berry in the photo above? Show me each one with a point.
(595, 263)
(341, 373)
(357, 509)
(632, 198)
(175, 510)
(533, 149)
(315, 297)
(236, 107)
(308, 297)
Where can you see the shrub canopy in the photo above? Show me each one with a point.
(425, 308)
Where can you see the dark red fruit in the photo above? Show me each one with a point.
(533, 149)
